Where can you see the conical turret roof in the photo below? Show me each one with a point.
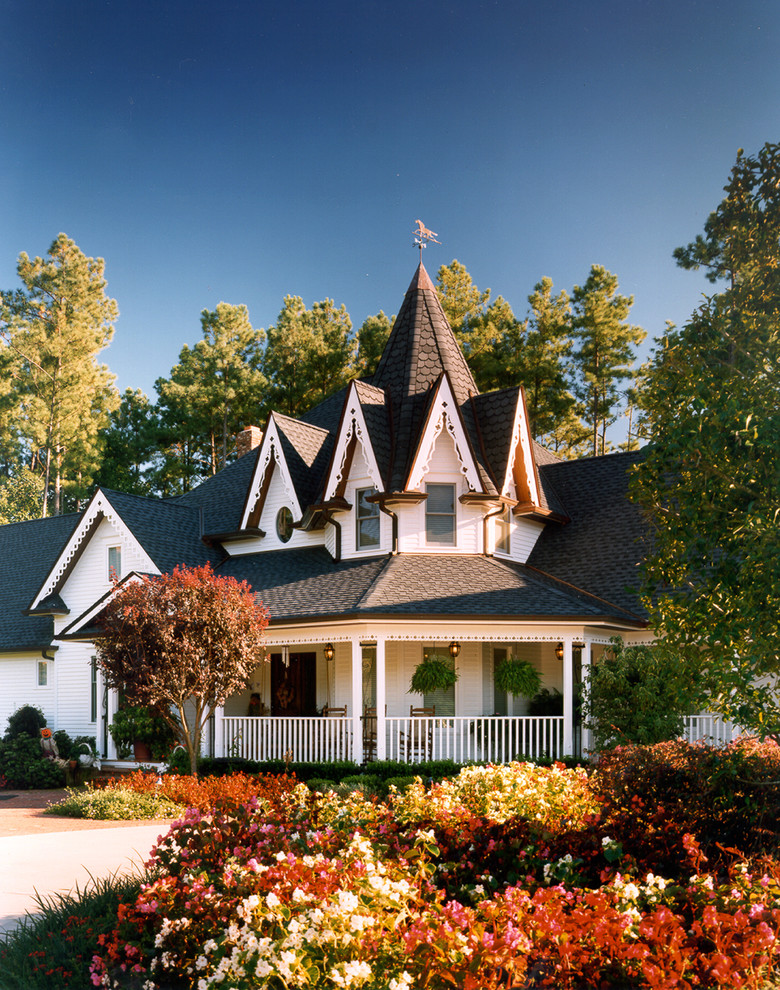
(422, 345)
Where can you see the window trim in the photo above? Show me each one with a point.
(288, 516)
(503, 533)
(374, 514)
(117, 572)
(442, 515)
(42, 666)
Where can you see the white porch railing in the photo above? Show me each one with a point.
(306, 739)
(496, 739)
(711, 729)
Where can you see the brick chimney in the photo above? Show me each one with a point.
(248, 439)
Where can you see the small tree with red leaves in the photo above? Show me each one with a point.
(181, 643)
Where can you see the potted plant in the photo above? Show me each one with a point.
(143, 731)
(435, 673)
(517, 677)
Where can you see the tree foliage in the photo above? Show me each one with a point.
(603, 350)
(638, 694)
(711, 479)
(130, 445)
(54, 328)
(181, 643)
(310, 354)
(372, 336)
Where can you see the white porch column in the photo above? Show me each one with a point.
(381, 700)
(357, 700)
(568, 698)
(112, 704)
(586, 661)
(219, 731)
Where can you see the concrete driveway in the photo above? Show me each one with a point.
(59, 862)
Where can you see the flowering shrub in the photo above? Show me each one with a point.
(653, 795)
(496, 878)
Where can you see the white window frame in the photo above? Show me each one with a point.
(371, 490)
(117, 571)
(42, 667)
(503, 524)
(453, 515)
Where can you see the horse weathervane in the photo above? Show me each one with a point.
(422, 235)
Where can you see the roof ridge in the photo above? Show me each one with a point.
(551, 579)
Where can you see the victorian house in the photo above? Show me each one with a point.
(405, 516)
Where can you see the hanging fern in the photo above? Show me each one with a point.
(433, 674)
(517, 677)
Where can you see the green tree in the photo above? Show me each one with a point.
(638, 694)
(310, 354)
(710, 480)
(371, 339)
(604, 350)
(21, 495)
(537, 352)
(181, 643)
(215, 390)
(479, 325)
(56, 325)
(130, 444)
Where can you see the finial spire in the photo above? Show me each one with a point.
(422, 235)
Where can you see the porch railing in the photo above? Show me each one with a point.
(708, 728)
(495, 738)
(307, 740)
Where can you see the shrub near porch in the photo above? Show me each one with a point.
(295, 889)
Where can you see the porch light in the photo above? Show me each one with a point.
(329, 651)
(454, 649)
(559, 651)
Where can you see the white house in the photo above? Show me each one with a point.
(405, 515)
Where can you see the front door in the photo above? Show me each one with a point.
(294, 685)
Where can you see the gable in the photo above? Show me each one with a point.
(443, 420)
(98, 511)
(353, 439)
(270, 460)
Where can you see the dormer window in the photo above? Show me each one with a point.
(114, 563)
(367, 519)
(440, 515)
(503, 524)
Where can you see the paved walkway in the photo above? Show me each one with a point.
(49, 855)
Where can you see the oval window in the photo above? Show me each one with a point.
(284, 524)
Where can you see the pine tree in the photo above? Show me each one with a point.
(604, 351)
(130, 445)
(310, 354)
(371, 339)
(56, 325)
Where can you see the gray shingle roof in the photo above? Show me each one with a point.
(28, 551)
(222, 496)
(168, 530)
(601, 547)
(307, 583)
(307, 450)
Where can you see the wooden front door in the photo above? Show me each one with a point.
(294, 687)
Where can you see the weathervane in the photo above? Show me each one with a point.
(422, 235)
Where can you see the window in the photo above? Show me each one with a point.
(444, 700)
(503, 523)
(440, 515)
(114, 563)
(43, 673)
(284, 524)
(367, 519)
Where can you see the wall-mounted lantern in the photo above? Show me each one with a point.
(329, 651)
(559, 651)
(454, 649)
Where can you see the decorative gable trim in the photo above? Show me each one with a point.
(99, 508)
(443, 416)
(521, 480)
(352, 431)
(83, 621)
(270, 457)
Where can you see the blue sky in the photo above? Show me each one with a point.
(241, 151)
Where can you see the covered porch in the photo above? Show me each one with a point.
(343, 693)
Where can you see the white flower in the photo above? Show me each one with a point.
(272, 900)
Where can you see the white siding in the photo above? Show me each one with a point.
(444, 467)
(275, 499)
(522, 538)
(19, 677)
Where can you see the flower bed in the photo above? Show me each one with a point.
(480, 882)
